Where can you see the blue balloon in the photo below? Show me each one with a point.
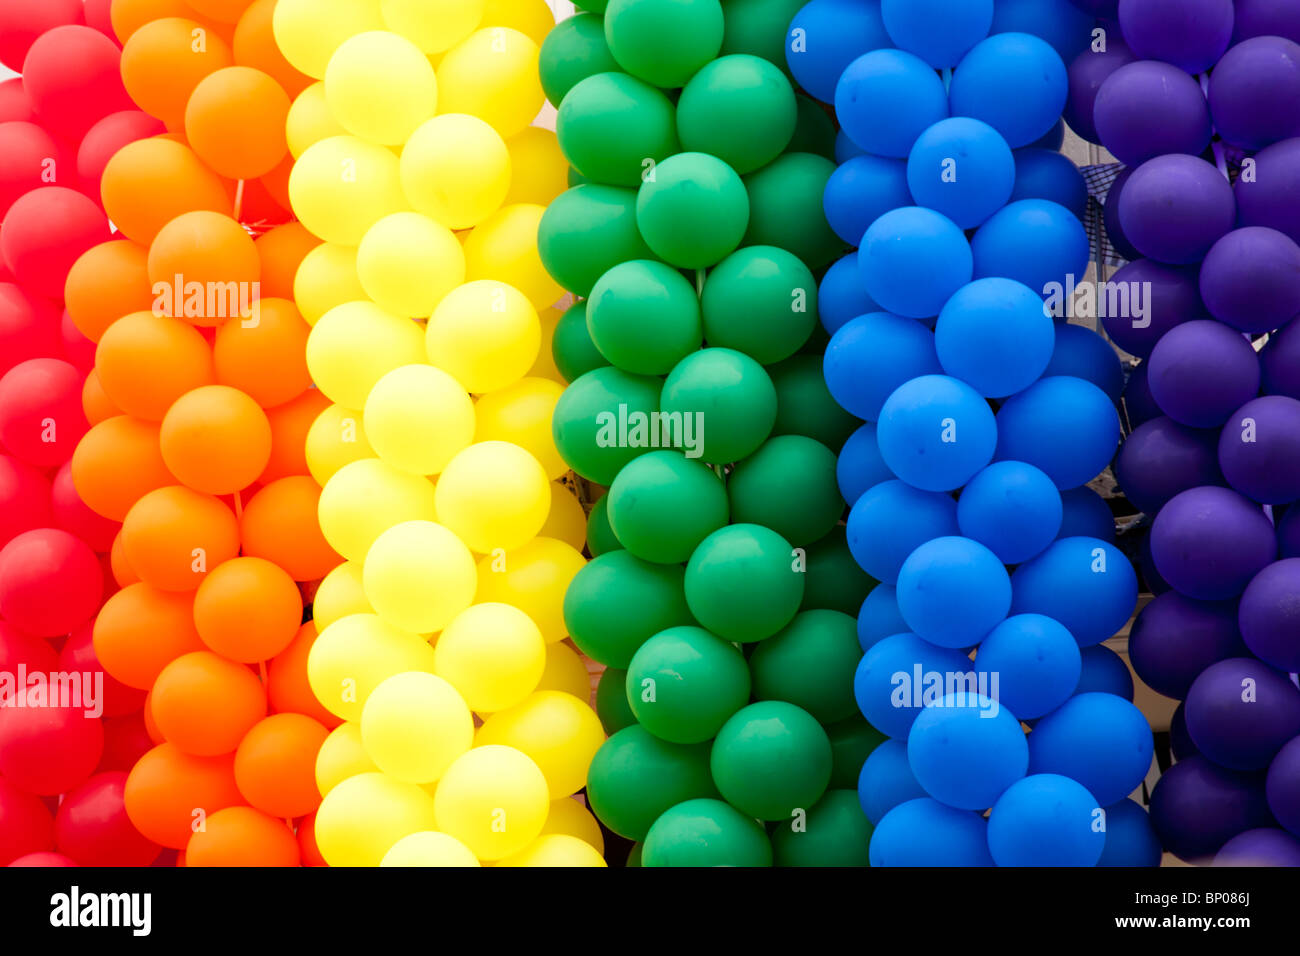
(1045, 820)
(891, 521)
(926, 833)
(1034, 241)
(962, 168)
(1062, 24)
(1052, 140)
(1083, 353)
(995, 336)
(1011, 508)
(845, 148)
(953, 591)
(938, 31)
(913, 260)
(885, 99)
(1037, 663)
(861, 191)
(1130, 838)
(825, 36)
(1063, 425)
(1100, 740)
(1086, 584)
(966, 749)
(1086, 515)
(936, 433)
(842, 294)
(886, 780)
(1014, 82)
(1046, 174)
(1104, 672)
(888, 684)
(871, 356)
(879, 617)
(860, 466)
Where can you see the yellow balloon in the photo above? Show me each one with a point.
(407, 262)
(356, 654)
(492, 74)
(567, 522)
(326, 277)
(492, 799)
(556, 849)
(456, 169)
(309, 31)
(433, 25)
(484, 334)
(429, 848)
(341, 756)
(343, 185)
(380, 86)
(558, 731)
(530, 17)
(504, 247)
(418, 576)
(359, 820)
(544, 367)
(494, 496)
(418, 418)
(570, 817)
(356, 344)
(521, 414)
(339, 594)
(365, 498)
(336, 438)
(310, 120)
(540, 171)
(414, 725)
(493, 654)
(533, 578)
(565, 671)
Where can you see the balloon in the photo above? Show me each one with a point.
(234, 121)
(172, 536)
(25, 495)
(533, 579)
(834, 834)
(1147, 108)
(877, 687)
(326, 277)
(166, 785)
(504, 247)
(573, 50)
(825, 36)
(1241, 278)
(492, 74)
(1236, 729)
(41, 418)
(1038, 664)
(1175, 638)
(361, 818)
(810, 663)
(70, 76)
(279, 524)
(1082, 353)
(886, 98)
(493, 495)
(484, 353)
(771, 758)
(1283, 786)
(243, 836)
(891, 520)
(1266, 607)
(222, 623)
(663, 43)
(1012, 508)
(1209, 542)
(793, 469)
(912, 260)
(588, 230)
(872, 355)
(264, 356)
(150, 182)
(814, 131)
(1193, 393)
(760, 300)
(1088, 72)
(615, 128)
(354, 345)
(407, 263)
(1099, 740)
(782, 196)
(1015, 82)
(1270, 198)
(341, 209)
(92, 826)
(1130, 838)
(804, 405)
(1196, 807)
(559, 732)
(859, 467)
(984, 177)
(938, 31)
(600, 600)
(27, 327)
(995, 335)
(414, 726)
(1045, 819)
(417, 418)
(215, 439)
(341, 756)
(357, 653)
(663, 504)
(493, 655)
(287, 687)
(146, 362)
(116, 463)
(727, 391)
(555, 849)
(1085, 584)
(46, 231)
(935, 432)
(952, 591)
(706, 832)
(741, 583)
(121, 630)
(644, 317)
(565, 671)
(1162, 458)
(1174, 298)
(694, 211)
(835, 582)
(478, 788)
(538, 169)
(591, 427)
(308, 33)
(1258, 449)
(1033, 241)
(1262, 847)
(403, 556)
(50, 582)
(739, 108)
(1205, 209)
(962, 759)
(1031, 428)
(860, 191)
(429, 848)
(309, 120)
(204, 704)
(924, 832)
(456, 170)
(886, 780)
(275, 765)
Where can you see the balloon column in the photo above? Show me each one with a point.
(463, 729)
(1199, 103)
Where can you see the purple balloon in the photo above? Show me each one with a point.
(1270, 615)
(1259, 450)
(1270, 195)
(1288, 533)
(1251, 278)
(1088, 71)
(1266, 846)
(1283, 786)
(1147, 108)
(1280, 362)
(1098, 8)
(1139, 405)
(1254, 91)
(1175, 638)
(1174, 208)
(1180, 744)
(1191, 34)
(1110, 218)
(1241, 711)
(1170, 296)
(1262, 18)
(1197, 807)
(1209, 542)
(1201, 372)
(1162, 458)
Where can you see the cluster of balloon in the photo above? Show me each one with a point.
(721, 593)
(463, 728)
(1199, 100)
(982, 422)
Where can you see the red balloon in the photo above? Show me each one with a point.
(41, 415)
(48, 750)
(29, 159)
(78, 656)
(46, 231)
(29, 327)
(14, 104)
(22, 650)
(92, 827)
(77, 349)
(72, 79)
(74, 516)
(44, 860)
(126, 740)
(50, 582)
(98, 16)
(25, 499)
(108, 136)
(25, 825)
(22, 21)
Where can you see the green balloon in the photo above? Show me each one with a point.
(611, 701)
(788, 485)
(692, 210)
(804, 405)
(612, 127)
(634, 855)
(814, 131)
(758, 27)
(727, 402)
(574, 352)
(574, 50)
(742, 583)
(586, 231)
(835, 833)
(591, 422)
(617, 602)
(663, 504)
(684, 683)
(762, 301)
(785, 203)
(575, 178)
(600, 536)
(634, 777)
(595, 6)
(833, 580)
(810, 663)
(852, 741)
(770, 760)
(706, 833)
(663, 41)
(644, 317)
(739, 108)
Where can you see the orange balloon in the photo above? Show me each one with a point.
(242, 836)
(235, 122)
(150, 182)
(140, 630)
(206, 267)
(223, 602)
(276, 184)
(286, 681)
(116, 463)
(265, 356)
(255, 46)
(172, 537)
(275, 765)
(123, 573)
(281, 250)
(108, 281)
(127, 16)
(215, 439)
(223, 11)
(164, 61)
(151, 725)
(280, 525)
(146, 362)
(167, 786)
(290, 423)
(95, 403)
(204, 704)
(311, 855)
